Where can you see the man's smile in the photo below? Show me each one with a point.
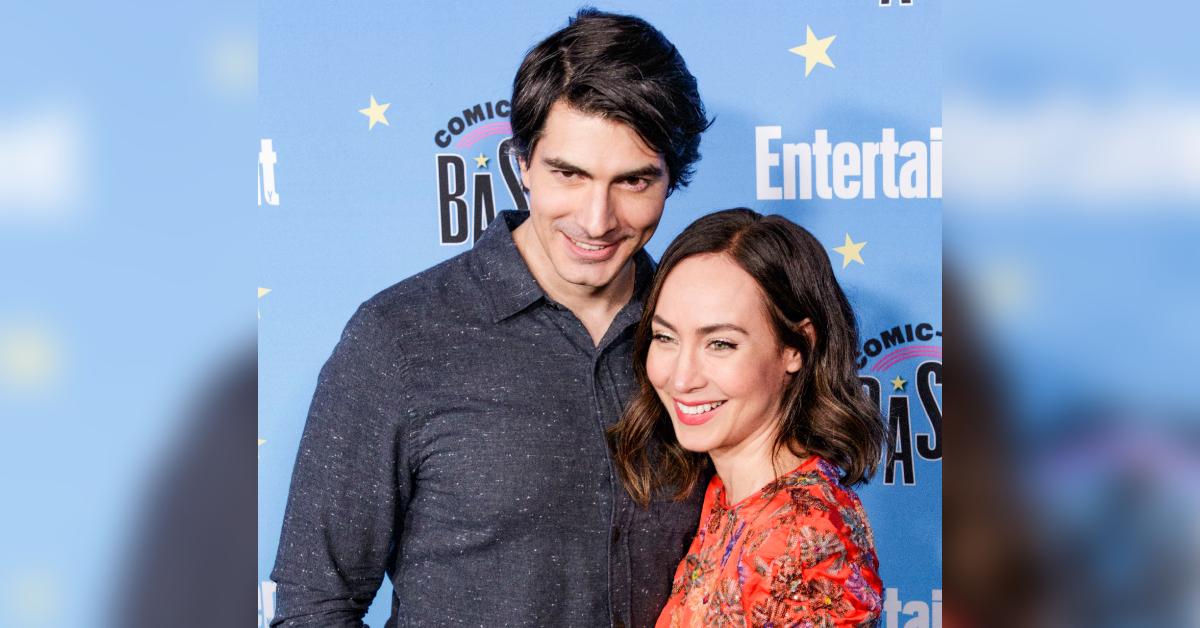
(591, 251)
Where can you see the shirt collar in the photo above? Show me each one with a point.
(503, 275)
(643, 276)
(505, 279)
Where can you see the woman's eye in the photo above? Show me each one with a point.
(722, 345)
(660, 337)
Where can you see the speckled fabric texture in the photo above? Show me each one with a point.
(455, 442)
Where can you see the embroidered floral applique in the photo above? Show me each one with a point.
(799, 553)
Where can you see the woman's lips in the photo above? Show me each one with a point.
(696, 419)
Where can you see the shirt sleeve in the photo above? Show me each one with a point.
(350, 484)
(814, 572)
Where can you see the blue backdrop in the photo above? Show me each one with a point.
(381, 131)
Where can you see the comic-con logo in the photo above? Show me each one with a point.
(901, 361)
(473, 145)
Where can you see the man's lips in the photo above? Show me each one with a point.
(688, 413)
(591, 251)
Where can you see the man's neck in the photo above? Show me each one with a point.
(595, 307)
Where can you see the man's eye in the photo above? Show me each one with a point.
(637, 183)
(566, 174)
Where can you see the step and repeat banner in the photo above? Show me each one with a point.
(384, 130)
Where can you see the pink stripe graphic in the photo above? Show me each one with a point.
(482, 129)
(902, 351)
(487, 130)
(905, 353)
(900, 358)
(896, 358)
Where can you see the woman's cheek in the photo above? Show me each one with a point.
(657, 368)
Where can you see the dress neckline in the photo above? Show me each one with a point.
(809, 463)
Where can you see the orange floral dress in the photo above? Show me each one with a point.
(797, 553)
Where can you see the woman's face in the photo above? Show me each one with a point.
(714, 358)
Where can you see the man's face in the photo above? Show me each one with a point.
(596, 193)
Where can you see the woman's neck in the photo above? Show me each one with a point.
(752, 464)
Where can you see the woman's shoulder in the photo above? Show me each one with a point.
(813, 499)
(813, 549)
(812, 522)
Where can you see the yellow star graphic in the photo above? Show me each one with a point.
(814, 51)
(481, 160)
(261, 441)
(898, 383)
(375, 112)
(851, 251)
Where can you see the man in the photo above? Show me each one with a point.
(456, 437)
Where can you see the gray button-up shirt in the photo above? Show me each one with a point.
(456, 442)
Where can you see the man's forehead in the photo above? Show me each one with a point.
(572, 135)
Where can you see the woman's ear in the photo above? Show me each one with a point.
(794, 360)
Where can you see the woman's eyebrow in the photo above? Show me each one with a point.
(708, 329)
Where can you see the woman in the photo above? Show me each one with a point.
(745, 362)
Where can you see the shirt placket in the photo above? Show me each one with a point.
(620, 577)
(604, 402)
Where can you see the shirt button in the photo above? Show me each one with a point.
(617, 623)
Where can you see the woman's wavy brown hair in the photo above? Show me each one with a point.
(824, 409)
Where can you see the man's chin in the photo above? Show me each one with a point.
(594, 275)
(589, 280)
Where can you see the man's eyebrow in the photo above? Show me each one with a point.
(648, 171)
(645, 172)
(559, 164)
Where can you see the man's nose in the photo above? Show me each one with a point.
(599, 214)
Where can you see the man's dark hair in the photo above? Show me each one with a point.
(618, 67)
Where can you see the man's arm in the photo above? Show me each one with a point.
(350, 484)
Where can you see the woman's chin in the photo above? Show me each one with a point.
(692, 443)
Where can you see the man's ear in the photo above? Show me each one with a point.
(794, 361)
(523, 167)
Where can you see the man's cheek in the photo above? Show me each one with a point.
(649, 213)
(550, 201)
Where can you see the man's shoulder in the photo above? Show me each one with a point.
(448, 285)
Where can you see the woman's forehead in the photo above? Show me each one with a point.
(710, 289)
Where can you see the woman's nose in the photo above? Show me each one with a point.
(688, 373)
